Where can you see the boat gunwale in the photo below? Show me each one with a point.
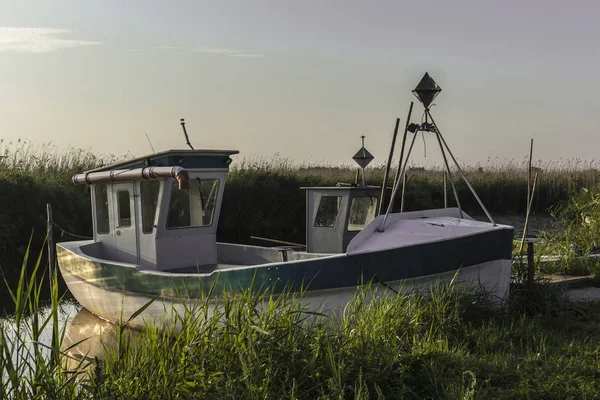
(75, 248)
(77, 251)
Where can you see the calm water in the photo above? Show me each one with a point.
(85, 335)
(68, 310)
(76, 322)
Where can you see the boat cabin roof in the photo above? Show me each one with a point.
(345, 187)
(190, 159)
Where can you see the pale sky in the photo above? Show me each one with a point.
(302, 79)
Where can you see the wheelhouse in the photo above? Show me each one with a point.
(147, 218)
(335, 215)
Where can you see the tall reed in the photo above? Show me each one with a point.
(263, 195)
(31, 366)
(442, 344)
(577, 242)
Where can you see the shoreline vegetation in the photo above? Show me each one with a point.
(262, 197)
(443, 344)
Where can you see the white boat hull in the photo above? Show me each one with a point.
(119, 306)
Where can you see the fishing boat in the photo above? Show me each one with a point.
(155, 222)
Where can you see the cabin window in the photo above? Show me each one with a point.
(193, 207)
(124, 208)
(362, 211)
(101, 198)
(149, 197)
(329, 206)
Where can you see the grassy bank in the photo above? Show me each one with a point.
(29, 179)
(577, 241)
(446, 344)
(262, 196)
(32, 177)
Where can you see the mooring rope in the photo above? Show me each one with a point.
(69, 233)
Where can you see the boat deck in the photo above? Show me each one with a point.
(203, 269)
(404, 232)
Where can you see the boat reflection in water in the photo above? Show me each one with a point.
(89, 337)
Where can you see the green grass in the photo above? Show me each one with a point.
(273, 206)
(262, 196)
(578, 236)
(29, 179)
(446, 344)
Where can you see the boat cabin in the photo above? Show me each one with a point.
(335, 215)
(159, 210)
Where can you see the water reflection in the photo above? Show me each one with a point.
(19, 338)
(89, 337)
(86, 336)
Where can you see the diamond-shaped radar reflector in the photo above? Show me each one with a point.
(427, 90)
(363, 157)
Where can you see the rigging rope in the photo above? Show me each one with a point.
(69, 233)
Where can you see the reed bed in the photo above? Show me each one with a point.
(577, 241)
(443, 344)
(262, 197)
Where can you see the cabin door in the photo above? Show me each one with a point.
(125, 225)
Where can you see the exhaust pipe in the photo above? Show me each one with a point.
(127, 175)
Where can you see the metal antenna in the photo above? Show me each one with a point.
(362, 170)
(150, 143)
(187, 139)
(426, 91)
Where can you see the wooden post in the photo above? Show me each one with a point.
(445, 190)
(528, 212)
(529, 172)
(529, 194)
(397, 176)
(53, 285)
(50, 240)
(530, 266)
(403, 188)
(387, 167)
